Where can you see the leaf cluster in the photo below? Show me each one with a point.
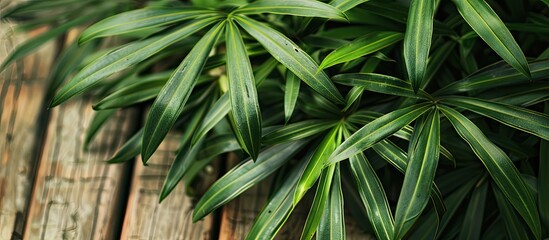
(413, 114)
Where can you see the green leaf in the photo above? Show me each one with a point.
(373, 197)
(291, 92)
(170, 101)
(424, 151)
(142, 90)
(222, 107)
(139, 20)
(370, 43)
(319, 203)
(453, 201)
(183, 160)
(99, 119)
(35, 42)
(417, 40)
(122, 58)
(298, 130)
(501, 168)
(242, 92)
(380, 83)
(472, 224)
(218, 111)
(496, 75)
(377, 130)
(523, 119)
(129, 150)
(217, 145)
(346, 5)
(316, 163)
(291, 56)
(277, 209)
(486, 23)
(262, 72)
(395, 156)
(244, 176)
(543, 178)
(332, 222)
(304, 8)
(68, 61)
(525, 95)
(514, 226)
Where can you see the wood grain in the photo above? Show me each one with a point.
(172, 219)
(22, 88)
(76, 195)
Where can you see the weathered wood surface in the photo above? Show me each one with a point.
(22, 88)
(76, 195)
(172, 219)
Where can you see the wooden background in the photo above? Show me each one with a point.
(50, 188)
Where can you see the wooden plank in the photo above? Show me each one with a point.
(22, 88)
(76, 195)
(172, 219)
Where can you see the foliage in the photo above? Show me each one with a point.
(311, 90)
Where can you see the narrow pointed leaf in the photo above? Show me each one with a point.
(35, 42)
(183, 160)
(278, 208)
(99, 119)
(141, 19)
(316, 163)
(244, 176)
(68, 61)
(129, 150)
(304, 8)
(217, 145)
(319, 203)
(293, 57)
(219, 110)
(365, 45)
(515, 227)
(365, 117)
(222, 106)
(122, 58)
(486, 23)
(472, 224)
(520, 118)
(170, 101)
(298, 130)
(377, 130)
(332, 222)
(497, 75)
(346, 5)
(395, 156)
(420, 173)
(501, 168)
(543, 178)
(380, 83)
(242, 92)
(417, 40)
(133, 94)
(453, 201)
(291, 92)
(373, 197)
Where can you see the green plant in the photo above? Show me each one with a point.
(398, 85)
